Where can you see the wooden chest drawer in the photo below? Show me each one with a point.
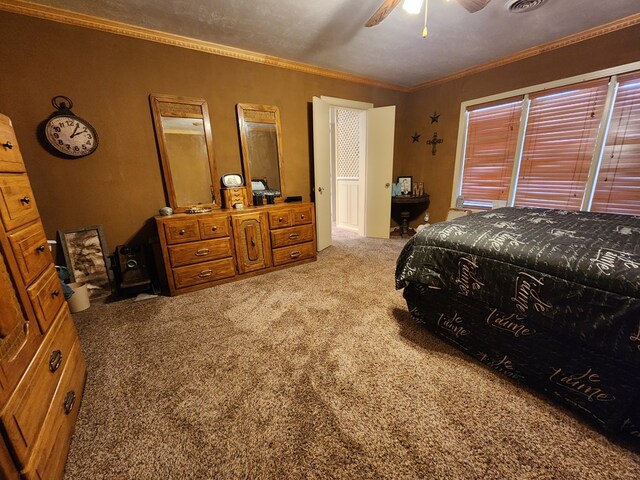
(46, 297)
(25, 412)
(190, 253)
(10, 157)
(51, 450)
(181, 231)
(31, 251)
(295, 253)
(302, 215)
(17, 205)
(291, 236)
(231, 196)
(280, 218)
(214, 227)
(203, 272)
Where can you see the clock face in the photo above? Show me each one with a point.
(71, 135)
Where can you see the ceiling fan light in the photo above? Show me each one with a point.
(412, 6)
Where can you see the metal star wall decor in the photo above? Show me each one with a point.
(434, 143)
(416, 137)
(435, 117)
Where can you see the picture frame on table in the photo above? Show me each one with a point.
(406, 184)
(85, 255)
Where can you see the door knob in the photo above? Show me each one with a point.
(387, 185)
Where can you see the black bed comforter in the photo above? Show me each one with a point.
(548, 297)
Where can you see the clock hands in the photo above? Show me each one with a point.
(75, 131)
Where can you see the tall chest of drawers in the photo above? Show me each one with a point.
(42, 369)
(207, 249)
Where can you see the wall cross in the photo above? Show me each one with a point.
(434, 143)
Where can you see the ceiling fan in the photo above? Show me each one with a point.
(388, 5)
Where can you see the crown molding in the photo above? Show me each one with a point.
(87, 21)
(533, 51)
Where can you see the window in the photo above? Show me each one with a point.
(571, 145)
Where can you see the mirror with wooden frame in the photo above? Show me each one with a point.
(261, 144)
(185, 143)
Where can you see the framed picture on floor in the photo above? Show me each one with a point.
(85, 254)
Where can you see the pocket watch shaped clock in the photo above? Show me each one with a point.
(68, 133)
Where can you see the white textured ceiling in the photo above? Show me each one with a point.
(331, 33)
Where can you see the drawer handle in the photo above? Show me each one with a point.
(182, 232)
(55, 360)
(295, 254)
(280, 219)
(69, 401)
(302, 216)
(214, 228)
(55, 293)
(41, 248)
(293, 236)
(8, 145)
(253, 242)
(25, 200)
(202, 252)
(205, 273)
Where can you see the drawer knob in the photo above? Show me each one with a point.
(25, 200)
(302, 216)
(214, 228)
(182, 231)
(8, 145)
(69, 401)
(293, 236)
(205, 273)
(202, 252)
(41, 248)
(55, 293)
(55, 360)
(295, 254)
(280, 219)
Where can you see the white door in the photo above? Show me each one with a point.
(380, 135)
(379, 168)
(322, 172)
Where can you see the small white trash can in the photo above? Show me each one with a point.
(80, 299)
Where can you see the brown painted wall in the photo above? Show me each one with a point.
(415, 159)
(109, 78)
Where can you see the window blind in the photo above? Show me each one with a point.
(618, 186)
(488, 162)
(559, 145)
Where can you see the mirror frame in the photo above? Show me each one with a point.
(255, 113)
(177, 106)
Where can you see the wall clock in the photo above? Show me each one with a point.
(68, 133)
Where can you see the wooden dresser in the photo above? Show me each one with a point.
(42, 369)
(202, 250)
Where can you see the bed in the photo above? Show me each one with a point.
(550, 298)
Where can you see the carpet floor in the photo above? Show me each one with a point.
(318, 372)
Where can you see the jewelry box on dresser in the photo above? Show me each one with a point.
(42, 368)
(206, 249)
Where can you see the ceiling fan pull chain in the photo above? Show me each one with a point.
(426, 7)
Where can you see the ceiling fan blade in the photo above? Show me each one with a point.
(382, 12)
(473, 6)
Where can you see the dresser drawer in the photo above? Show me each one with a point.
(291, 236)
(214, 227)
(302, 215)
(280, 218)
(46, 297)
(10, 157)
(203, 272)
(181, 231)
(25, 412)
(31, 251)
(17, 205)
(295, 253)
(49, 455)
(195, 252)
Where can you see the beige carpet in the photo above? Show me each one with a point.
(316, 371)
